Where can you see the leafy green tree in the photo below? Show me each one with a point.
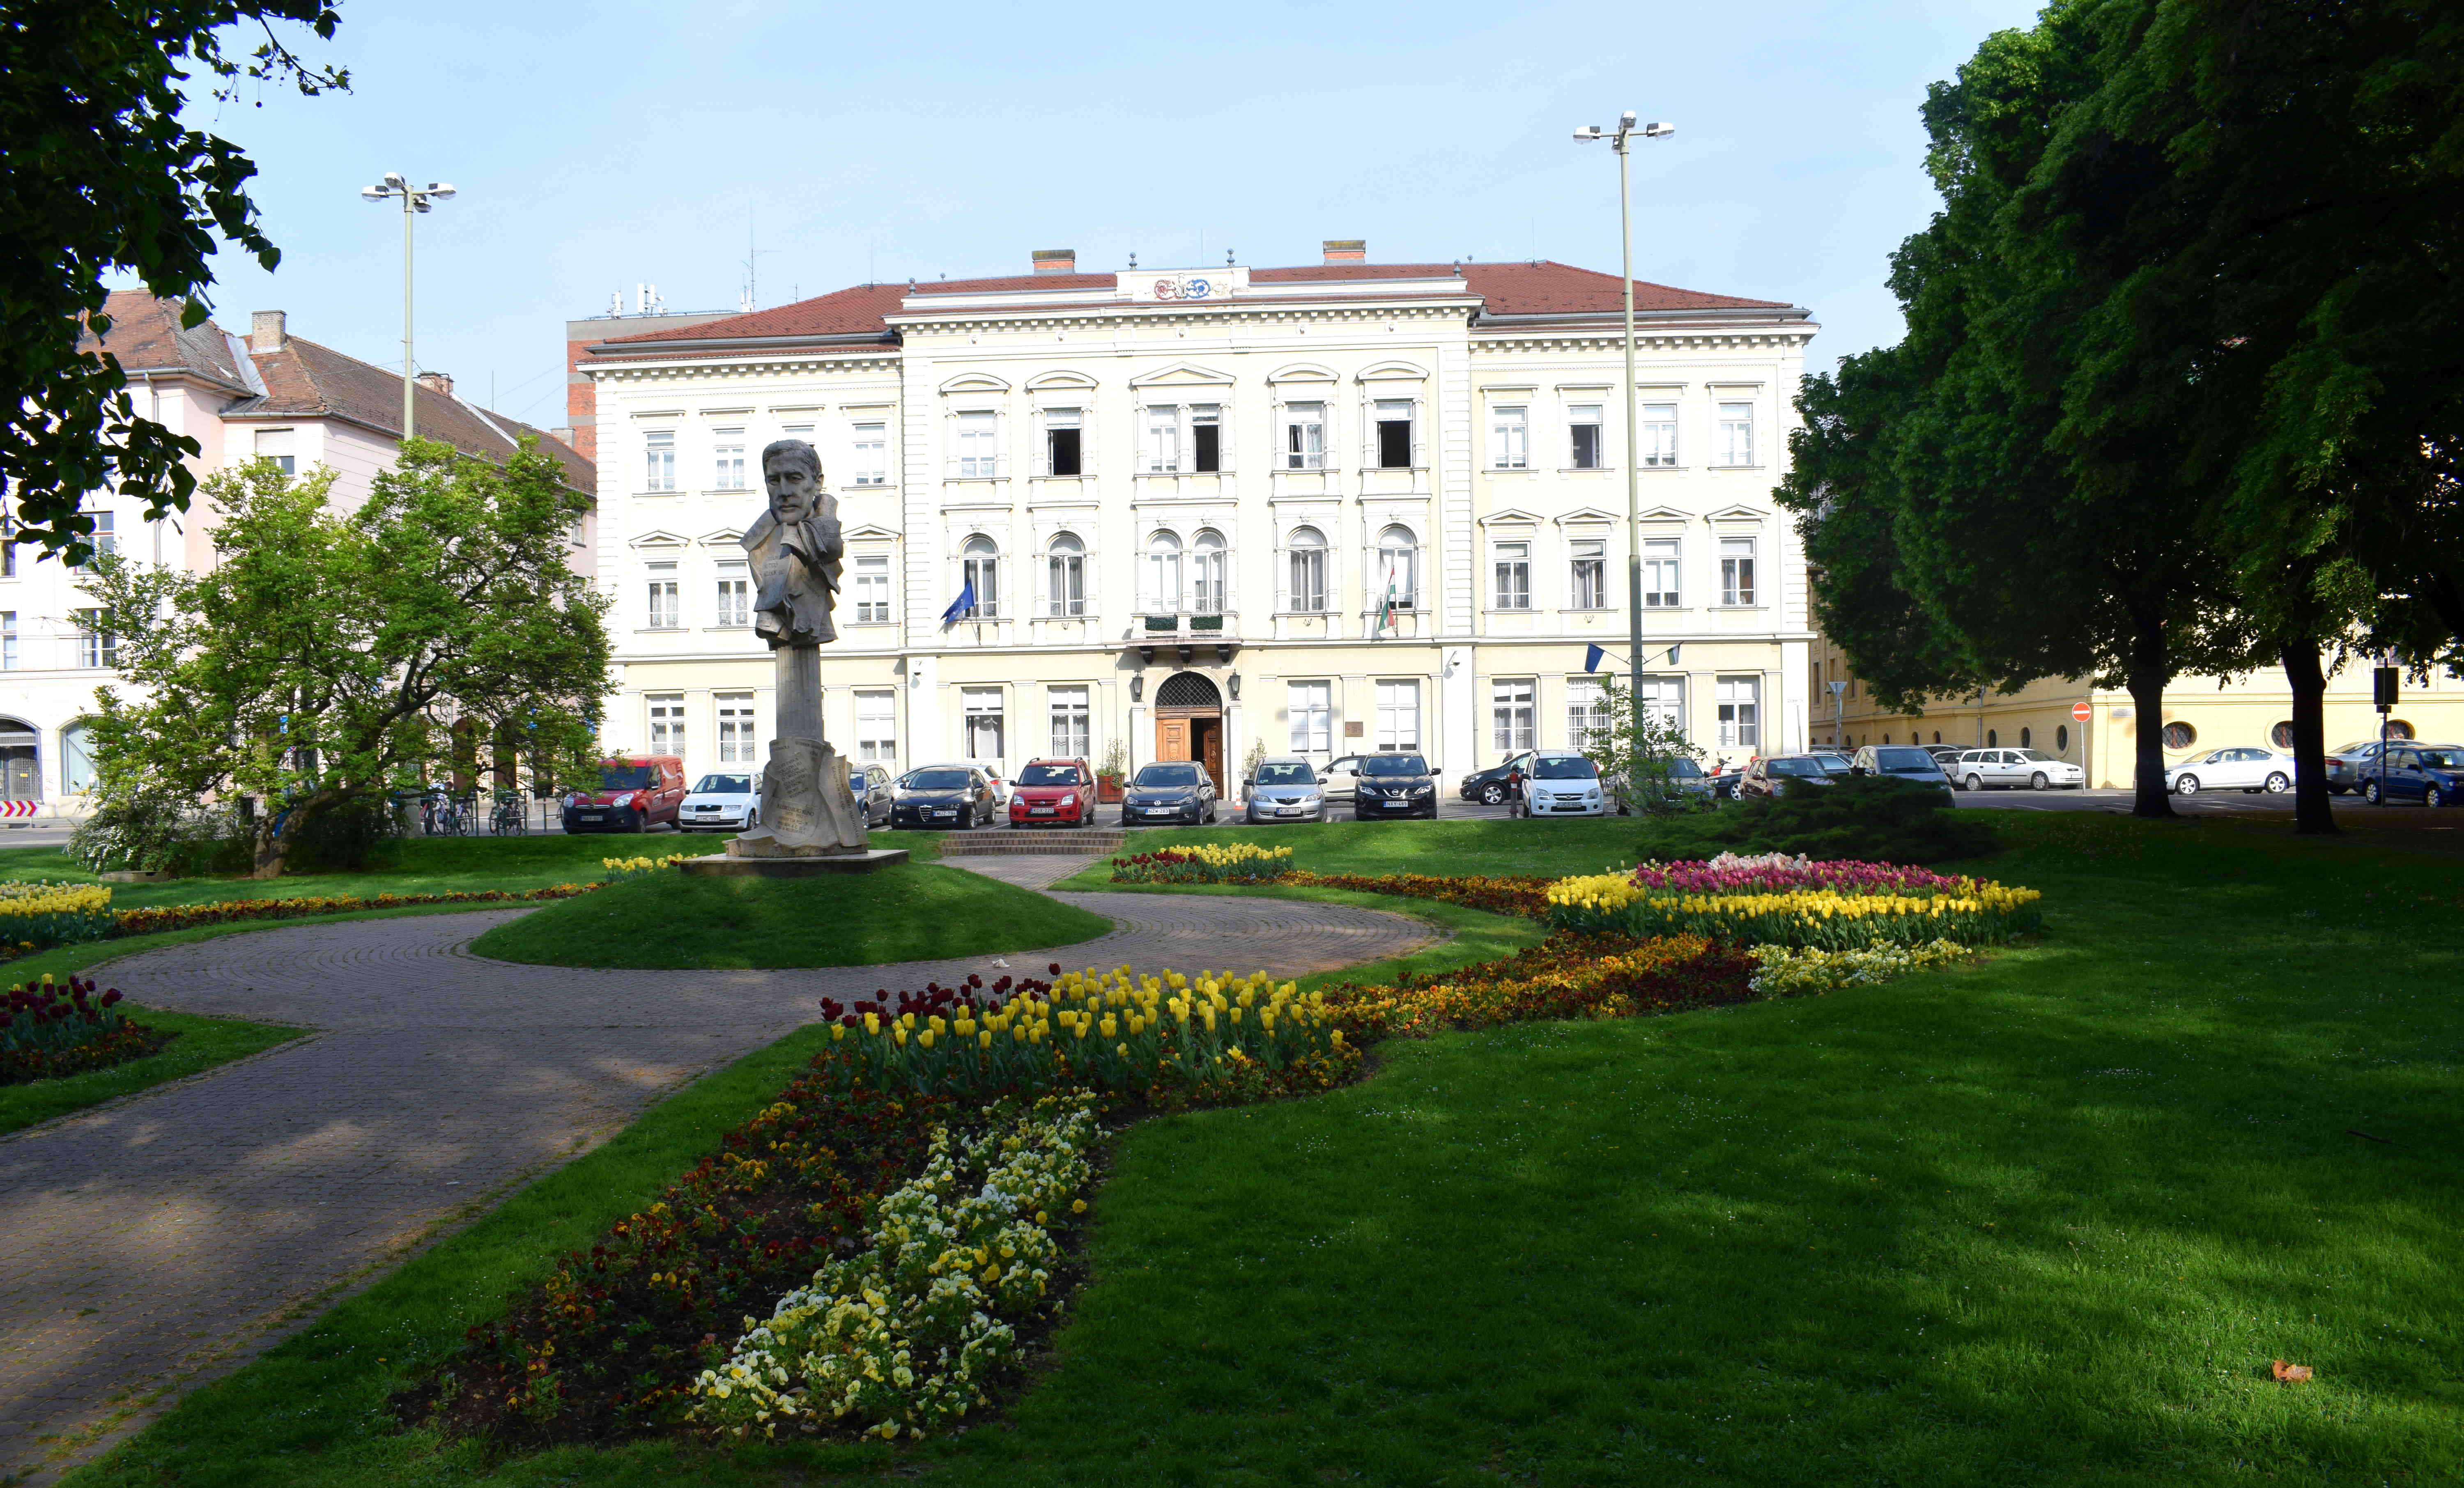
(327, 656)
(1637, 754)
(98, 176)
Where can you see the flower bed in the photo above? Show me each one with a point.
(35, 916)
(169, 917)
(1166, 1039)
(1779, 873)
(1566, 975)
(1788, 971)
(52, 1029)
(620, 869)
(1527, 897)
(904, 1337)
(1240, 863)
(1988, 915)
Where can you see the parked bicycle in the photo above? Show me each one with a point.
(444, 816)
(508, 819)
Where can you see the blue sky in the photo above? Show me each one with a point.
(597, 147)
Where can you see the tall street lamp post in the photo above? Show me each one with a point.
(1626, 130)
(415, 199)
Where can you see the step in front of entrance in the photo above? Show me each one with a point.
(1078, 842)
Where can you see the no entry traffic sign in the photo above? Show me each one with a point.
(2082, 711)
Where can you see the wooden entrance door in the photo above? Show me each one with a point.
(1171, 738)
(1206, 746)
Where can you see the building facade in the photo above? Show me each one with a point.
(267, 394)
(1331, 508)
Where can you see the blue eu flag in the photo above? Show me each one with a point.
(966, 601)
(1592, 656)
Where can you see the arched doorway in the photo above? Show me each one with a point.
(1189, 723)
(21, 767)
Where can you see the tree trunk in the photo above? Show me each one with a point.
(269, 849)
(2312, 811)
(2146, 679)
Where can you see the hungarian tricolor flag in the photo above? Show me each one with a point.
(1386, 614)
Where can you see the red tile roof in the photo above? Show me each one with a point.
(146, 336)
(1508, 289)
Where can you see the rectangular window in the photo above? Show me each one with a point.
(1513, 569)
(1664, 699)
(1163, 440)
(1311, 704)
(8, 551)
(979, 444)
(1589, 586)
(871, 454)
(1305, 436)
(105, 536)
(665, 612)
(1395, 434)
(1660, 589)
(1510, 713)
(8, 640)
(1736, 571)
(736, 740)
(1510, 439)
(1399, 718)
(1587, 712)
(1206, 438)
(1583, 436)
(1658, 436)
(981, 709)
(1739, 699)
(1062, 446)
(735, 595)
(876, 727)
(667, 722)
(279, 445)
(1736, 434)
(872, 589)
(660, 473)
(1070, 736)
(729, 450)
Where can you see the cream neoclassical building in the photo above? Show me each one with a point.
(1338, 507)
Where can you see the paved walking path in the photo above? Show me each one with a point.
(149, 1245)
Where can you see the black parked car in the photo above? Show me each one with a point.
(955, 796)
(1170, 790)
(1395, 785)
(1492, 786)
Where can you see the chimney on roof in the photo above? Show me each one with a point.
(265, 330)
(1345, 250)
(1056, 260)
(437, 383)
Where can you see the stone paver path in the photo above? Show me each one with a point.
(152, 1244)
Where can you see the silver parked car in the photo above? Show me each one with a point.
(1900, 762)
(1977, 769)
(1285, 788)
(2240, 768)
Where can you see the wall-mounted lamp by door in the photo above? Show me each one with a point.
(1138, 687)
(1236, 687)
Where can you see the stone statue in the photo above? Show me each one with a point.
(794, 551)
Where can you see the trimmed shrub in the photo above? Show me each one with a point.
(1865, 816)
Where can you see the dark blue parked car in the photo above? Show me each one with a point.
(2430, 774)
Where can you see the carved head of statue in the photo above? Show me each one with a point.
(792, 471)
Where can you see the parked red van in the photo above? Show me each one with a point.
(1053, 793)
(636, 792)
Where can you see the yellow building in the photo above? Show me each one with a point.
(2201, 713)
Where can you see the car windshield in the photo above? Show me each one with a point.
(1836, 764)
(1289, 773)
(1904, 759)
(1563, 767)
(2038, 755)
(1049, 774)
(1156, 776)
(627, 778)
(2443, 758)
(1794, 765)
(1685, 770)
(725, 785)
(938, 781)
(1393, 765)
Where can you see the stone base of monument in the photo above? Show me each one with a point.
(801, 865)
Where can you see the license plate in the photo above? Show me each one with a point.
(1039, 811)
(945, 813)
(1161, 811)
(588, 815)
(1287, 811)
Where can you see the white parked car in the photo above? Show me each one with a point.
(1562, 783)
(2243, 769)
(1342, 778)
(721, 803)
(1977, 769)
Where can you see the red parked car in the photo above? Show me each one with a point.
(636, 792)
(1053, 793)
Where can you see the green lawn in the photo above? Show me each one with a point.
(2043, 1221)
(1588, 844)
(908, 912)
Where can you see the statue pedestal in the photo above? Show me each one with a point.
(807, 809)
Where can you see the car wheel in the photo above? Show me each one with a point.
(2188, 786)
(1975, 782)
(2278, 783)
(1493, 794)
(2431, 795)
(2037, 782)
(2371, 791)
(966, 818)
(641, 824)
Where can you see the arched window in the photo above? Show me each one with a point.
(2023, 738)
(1163, 574)
(1398, 578)
(21, 770)
(1886, 738)
(76, 759)
(1206, 573)
(2281, 735)
(2061, 739)
(2179, 735)
(1065, 571)
(2398, 728)
(980, 563)
(1993, 738)
(1308, 564)
(1937, 736)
